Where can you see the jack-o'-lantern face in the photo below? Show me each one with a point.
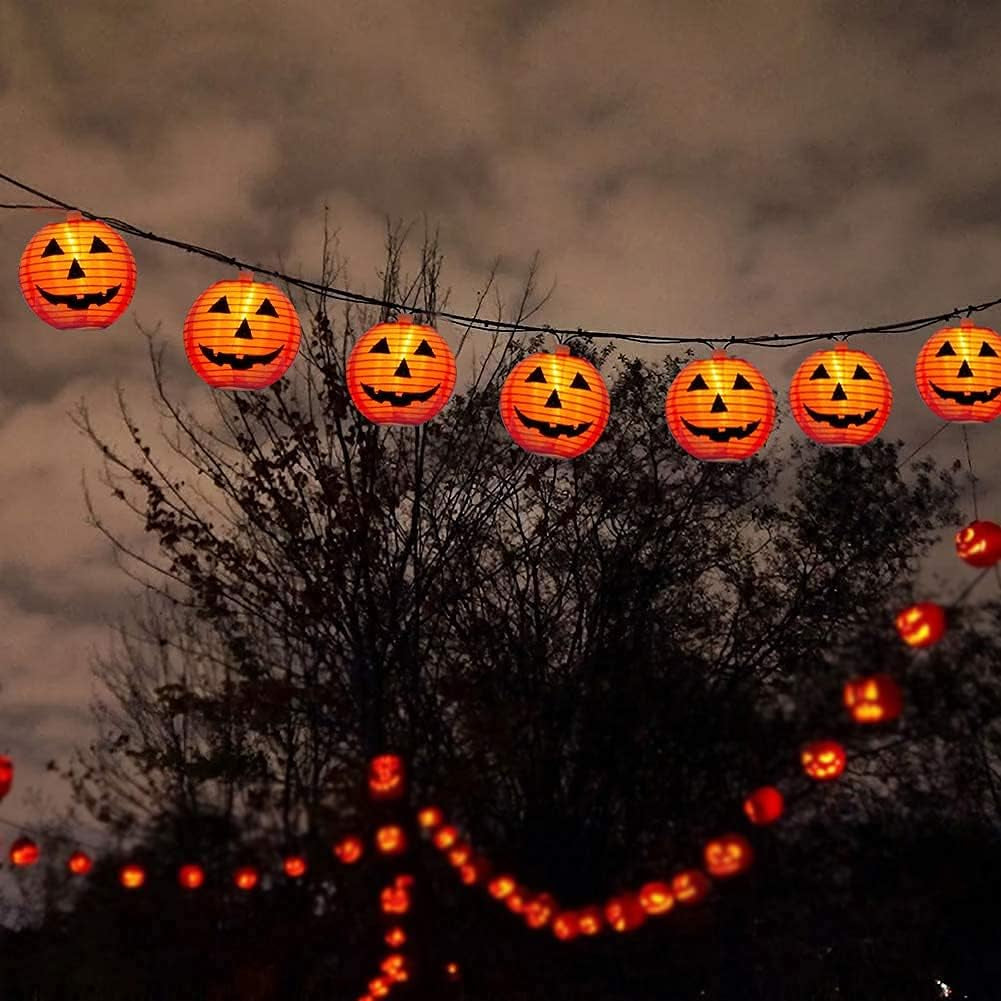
(241, 334)
(566, 926)
(958, 373)
(656, 898)
(624, 913)
(690, 886)
(720, 408)
(190, 877)
(401, 372)
(23, 852)
(77, 273)
(395, 967)
(386, 777)
(728, 855)
(840, 396)
(294, 866)
(979, 543)
(555, 404)
(823, 760)
(391, 839)
(445, 838)
(395, 900)
(539, 910)
(132, 876)
(590, 920)
(349, 850)
(501, 887)
(921, 624)
(876, 699)
(764, 805)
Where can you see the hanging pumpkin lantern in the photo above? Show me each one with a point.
(349, 850)
(79, 863)
(6, 775)
(77, 273)
(720, 408)
(979, 544)
(380, 987)
(590, 920)
(132, 876)
(241, 334)
(539, 910)
(452, 971)
(294, 866)
(566, 927)
(840, 396)
(656, 898)
(921, 624)
(190, 877)
(555, 404)
(386, 777)
(474, 871)
(246, 878)
(764, 805)
(728, 855)
(395, 937)
(429, 818)
(459, 855)
(394, 966)
(875, 699)
(391, 840)
(445, 838)
(958, 373)
(624, 913)
(516, 900)
(823, 760)
(23, 852)
(401, 372)
(501, 887)
(395, 899)
(690, 886)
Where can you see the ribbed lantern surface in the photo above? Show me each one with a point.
(958, 373)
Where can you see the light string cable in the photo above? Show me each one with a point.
(494, 326)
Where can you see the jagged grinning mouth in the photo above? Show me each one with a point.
(842, 420)
(550, 429)
(721, 434)
(966, 398)
(237, 361)
(80, 300)
(398, 399)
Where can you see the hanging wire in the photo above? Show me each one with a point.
(482, 324)
(903, 462)
(973, 475)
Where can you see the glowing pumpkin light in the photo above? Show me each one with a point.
(690, 886)
(395, 937)
(79, 864)
(958, 373)
(241, 334)
(23, 852)
(452, 971)
(501, 887)
(246, 878)
(823, 760)
(391, 840)
(132, 876)
(566, 926)
(191, 876)
(395, 967)
(728, 855)
(429, 818)
(386, 777)
(474, 871)
(459, 855)
(395, 899)
(516, 900)
(590, 921)
(445, 838)
(294, 866)
(77, 273)
(720, 408)
(979, 543)
(921, 624)
(555, 404)
(840, 396)
(539, 910)
(656, 898)
(349, 850)
(624, 913)
(875, 699)
(6, 775)
(401, 372)
(764, 805)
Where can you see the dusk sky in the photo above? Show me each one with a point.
(688, 168)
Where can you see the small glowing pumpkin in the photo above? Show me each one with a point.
(132, 876)
(386, 777)
(79, 863)
(690, 886)
(624, 913)
(921, 624)
(656, 898)
(539, 910)
(979, 543)
(191, 876)
(391, 839)
(429, 818)
(474, 871)
(294, 866)
(764, 805)
(445, 838)
(840, 396)
(395, 937)
(875, 699)
(395, 899)
(246, 878)
(23, 852)
(555, 404)
(77, 273)
(728, 855)
(720, 408)
(958, 373)
(6, 775)
(241, 334)
(823, 760)
(349, 850)
(501, 887)
(566, 926)
(590, 920)
(401, 372)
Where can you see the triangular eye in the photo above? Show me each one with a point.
(537, 376)
(220, 306)
(98, 246)
(425, 350)
(52, 248)
(820, 373)
(267, 309)
(698, 383)
(986, 351)
(945, 349)
(861, 373)
(380, 348)
(741, 383)
(579, 382)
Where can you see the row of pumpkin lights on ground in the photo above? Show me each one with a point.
(245, 334)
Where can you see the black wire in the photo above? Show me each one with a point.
(924, 444)
(496, 326)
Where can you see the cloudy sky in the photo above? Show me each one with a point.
(691, 168)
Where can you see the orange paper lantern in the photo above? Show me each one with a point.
(720, 408)
(764, 805)
(401, 372)
(728, 855)
(656, 898)
(921, 624)
(190, 877)
(294, 866)
(840, 396)
(132, 876)
(241, 334)
(6, 775)
(349, 850)
(23, 851)
(386, 777)
(246, 878)
(875, 699)
(79, 863)
(690, 886)
(958, 373)
(624, 913)
(979, 543)
(555, 404)
(77, 273)
(823, 760)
